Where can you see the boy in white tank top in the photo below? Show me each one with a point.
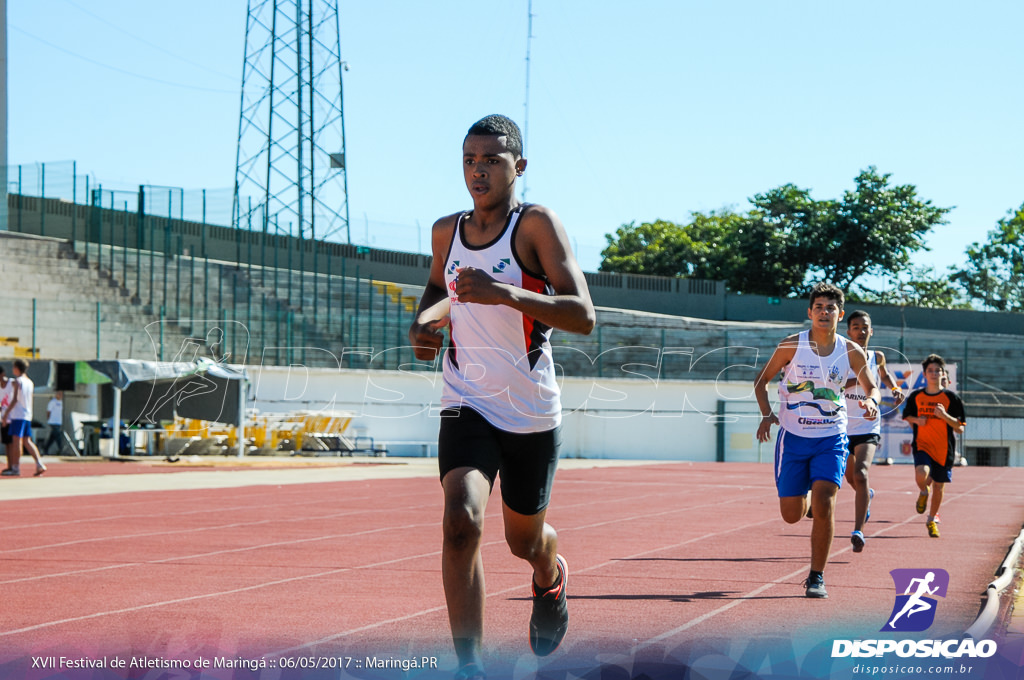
(502, 276)
(864, 434)
(810, 452)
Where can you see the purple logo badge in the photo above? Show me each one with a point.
(916, 590)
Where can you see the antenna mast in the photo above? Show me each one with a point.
(526, 101)
(290, 160)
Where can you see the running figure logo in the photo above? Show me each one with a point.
(915, 608)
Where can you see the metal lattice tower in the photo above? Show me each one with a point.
(290, 174)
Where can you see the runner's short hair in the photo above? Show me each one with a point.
(933, 359)
(500, 126)
(21, 365)
(859, 314)
(826, 290)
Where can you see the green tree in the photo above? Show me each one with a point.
(917, 287)
(874, 229)
(772, 242)
(787, 240)
(702, 249)
(648, 248)
(994, 275)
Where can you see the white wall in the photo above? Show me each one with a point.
(1008, 432)
(602, 417)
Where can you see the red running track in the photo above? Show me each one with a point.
(660, 555)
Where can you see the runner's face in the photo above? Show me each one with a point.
(933, 376)
(490, 169)
(860, 331)
(825, 313)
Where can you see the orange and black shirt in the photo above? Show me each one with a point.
(935, 437)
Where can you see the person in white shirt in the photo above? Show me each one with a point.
(18, 417)
(55, 421)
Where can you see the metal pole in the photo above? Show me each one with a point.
(328, 284)
(162, 312)
(298, 112)
(42, 202)
(140, 235)
(115, 449)
(204, 223)
(152, 269)
(177, 280)
(74, 202)
(167, 239)
(240, 442)
(21, 197)
(88, 222)
(263, 317)
(124, 246)
(99, 231)
(341, 107)
(191, 291)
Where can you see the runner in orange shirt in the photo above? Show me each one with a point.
(936, 414)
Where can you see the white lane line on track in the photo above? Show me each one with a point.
(165, 515)
(782, 579)
(424, 612)
(345, 569)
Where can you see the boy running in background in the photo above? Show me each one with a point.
(936, 414)
(864, 434)
(811, 450)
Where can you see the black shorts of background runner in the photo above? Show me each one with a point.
(939, 473)
(525, 462)
(5, 435)
(858, 439)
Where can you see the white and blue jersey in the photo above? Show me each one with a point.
(812, 442)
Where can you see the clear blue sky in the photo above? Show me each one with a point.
(638, 111)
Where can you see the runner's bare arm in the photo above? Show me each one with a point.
(866, 380)
(889, 380)
(425, 333)
(543, 246)
(782, 355)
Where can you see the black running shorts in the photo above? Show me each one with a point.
(525, 462)
(5, 435)
(858, 439)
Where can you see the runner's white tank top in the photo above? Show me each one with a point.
(811, 390)
(22, 408)
(499, 360)
(858, 424)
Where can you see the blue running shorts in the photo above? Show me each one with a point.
(801, 461)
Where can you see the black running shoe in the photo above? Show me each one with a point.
(550, 619)
(815, 587)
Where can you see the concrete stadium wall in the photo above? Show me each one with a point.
(62, 219)
(757, 308)
(602, 417)
(663, 295)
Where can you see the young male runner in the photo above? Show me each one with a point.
(936, 414)
(18, 418)
(502, 276)
(811, 450)
(864, 434)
